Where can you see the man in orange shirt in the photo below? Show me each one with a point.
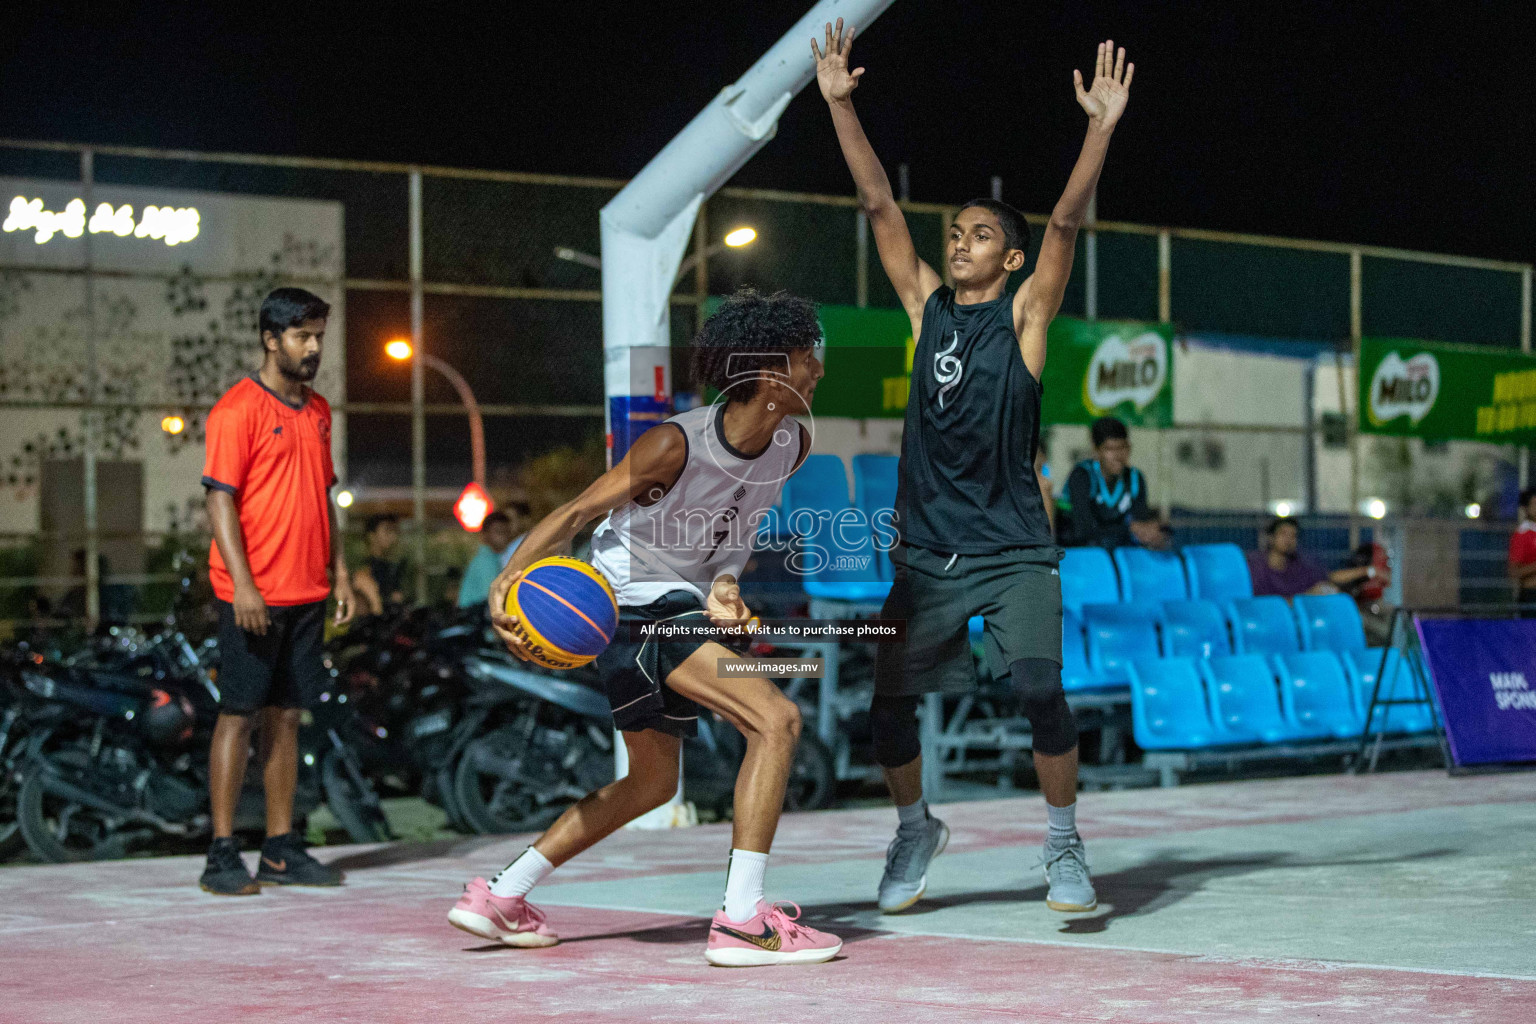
(277, 554)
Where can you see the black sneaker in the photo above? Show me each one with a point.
(284, 861)
(225, 874)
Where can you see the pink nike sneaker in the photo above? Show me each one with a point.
(508, 919)
(769, 937)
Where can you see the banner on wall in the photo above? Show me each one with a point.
(1093, 369)
(1444, 392)
(1484, 674)
(1121, 368)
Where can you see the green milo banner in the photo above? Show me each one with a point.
(1099, 368)
(1444, 392)
(1092, 369)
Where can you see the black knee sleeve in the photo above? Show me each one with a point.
(1038, 682)
(893, 725)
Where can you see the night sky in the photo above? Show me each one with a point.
(1399, 125)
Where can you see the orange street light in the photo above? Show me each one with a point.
(400, 349)
(173, 424)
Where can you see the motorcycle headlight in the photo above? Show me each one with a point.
(38, 683)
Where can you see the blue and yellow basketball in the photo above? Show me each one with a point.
(566, 611)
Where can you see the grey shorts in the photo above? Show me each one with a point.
(1017, 592)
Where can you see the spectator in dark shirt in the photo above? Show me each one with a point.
(1105, 500)
(379, 582)
(1282, 570)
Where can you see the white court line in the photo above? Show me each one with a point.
(1258, 962)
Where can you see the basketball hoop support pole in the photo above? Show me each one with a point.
(647, 226)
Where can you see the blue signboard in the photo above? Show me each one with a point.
(1484, 673)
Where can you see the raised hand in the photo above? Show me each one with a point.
(1106, 97)
(832, 75)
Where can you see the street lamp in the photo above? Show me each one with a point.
(736, 238)
(399, 349)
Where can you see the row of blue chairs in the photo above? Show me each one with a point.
(1213, 572)
(1247, 700)
(1113, 635)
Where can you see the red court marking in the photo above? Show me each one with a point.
(367, 956)
(568, 604)
(135, 942)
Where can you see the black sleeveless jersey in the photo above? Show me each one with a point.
(973, 421)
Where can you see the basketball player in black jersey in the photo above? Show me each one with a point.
(975, 538)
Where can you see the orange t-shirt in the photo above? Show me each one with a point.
(276, 461)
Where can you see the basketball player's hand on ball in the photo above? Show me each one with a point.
(832, 75)
(1106, 97)
(725, 607)
(506, 625)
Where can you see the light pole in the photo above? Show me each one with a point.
(400, 350)
(737, 238)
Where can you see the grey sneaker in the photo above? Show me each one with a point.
(906, 865)
(1066, 874)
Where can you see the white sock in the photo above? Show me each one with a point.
(744, 884)
(517, 878)
(1061, 821)
(913, 815)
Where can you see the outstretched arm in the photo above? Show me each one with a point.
(649, 470)
(1037, 300)
(913, 279)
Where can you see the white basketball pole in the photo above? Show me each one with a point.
(646, 228)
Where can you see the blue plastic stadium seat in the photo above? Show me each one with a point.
(1329, 622)
(1195, 629)
(1400, 684)
(1150, 575)
(1122, 611)
(1087, 577)
(1168, 706)
(1263, 625)
(1217, 572)
(1314, 694)
(1076, 676)
(836, 545)
(874, 494)
(1245, 703)
(820, 484)
(1111, 645)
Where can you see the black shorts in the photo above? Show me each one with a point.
(1017, 593)
(635, 672)
(284, 669)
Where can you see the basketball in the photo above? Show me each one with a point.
(565, 610)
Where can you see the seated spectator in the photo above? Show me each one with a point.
(499, 538)
(1522, 554)
(1282, 570)
(378, 586)
(1368, 591)
(1105, 500)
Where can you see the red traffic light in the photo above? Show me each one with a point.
(472, 507)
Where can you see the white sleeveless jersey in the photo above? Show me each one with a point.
(705, 526)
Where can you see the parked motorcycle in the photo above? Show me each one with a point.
(128, 763)
(537, 742)
(402, 677)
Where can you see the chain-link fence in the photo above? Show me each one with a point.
(116, 342)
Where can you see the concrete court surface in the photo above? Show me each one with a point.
(1390, 898)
